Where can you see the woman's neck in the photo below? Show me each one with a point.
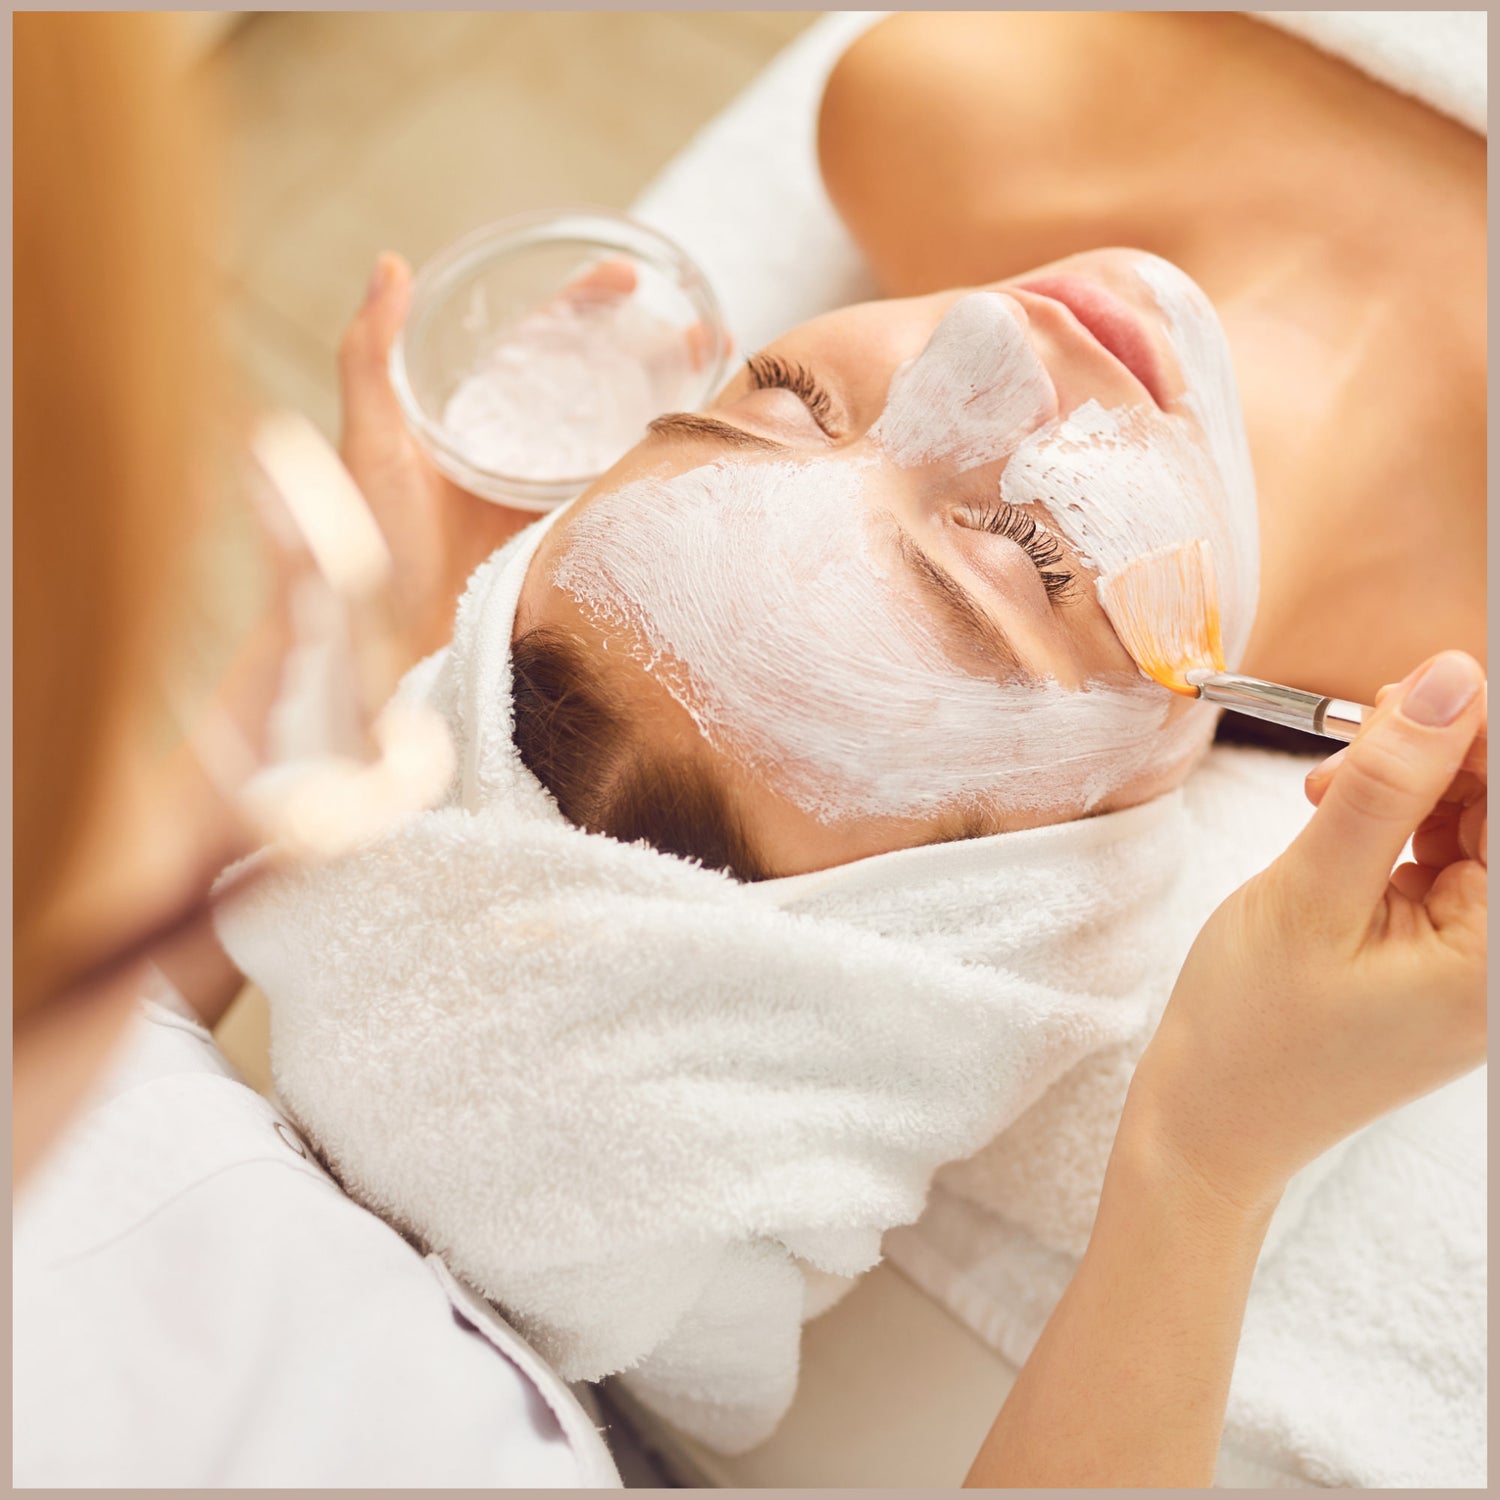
(1360, 358)
(1343, 247)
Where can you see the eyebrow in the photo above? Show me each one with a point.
(700, 425)
(957, 604)
(942, 588)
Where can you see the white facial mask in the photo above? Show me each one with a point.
(971, 395)
(751, 591)
(1119, 483)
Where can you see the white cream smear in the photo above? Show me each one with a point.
(970, 396)
(766, 617)
(1119, 483)
(569, 390)
(751, 591)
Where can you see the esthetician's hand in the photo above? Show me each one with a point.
(1458, 825)
(1330, 989)
(438, 533)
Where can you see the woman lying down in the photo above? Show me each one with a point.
(813, 830)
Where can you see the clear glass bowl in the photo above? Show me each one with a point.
(525, 370)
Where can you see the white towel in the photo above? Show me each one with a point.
(1437, 56)
(1363, 1356)
(633, 1101)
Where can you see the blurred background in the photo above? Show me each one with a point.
(348, 133)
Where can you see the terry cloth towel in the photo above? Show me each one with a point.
(1363, 1358)
(1437, 56)
(657, 1116)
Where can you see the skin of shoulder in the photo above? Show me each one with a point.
(966, 146)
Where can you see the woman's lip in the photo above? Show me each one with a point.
(1111, 321)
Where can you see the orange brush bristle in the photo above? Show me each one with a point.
(1165, 609)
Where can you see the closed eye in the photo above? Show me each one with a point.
(773, 372)
(1044, 550)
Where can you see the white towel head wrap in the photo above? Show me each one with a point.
(654, 1113)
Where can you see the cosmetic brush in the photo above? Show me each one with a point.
(1165, 609)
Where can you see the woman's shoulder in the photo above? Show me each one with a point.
(961, 146)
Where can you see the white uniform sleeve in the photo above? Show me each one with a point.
(197, 1303)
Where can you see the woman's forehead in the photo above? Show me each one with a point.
(896, 327)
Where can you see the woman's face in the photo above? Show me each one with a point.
(859, 590)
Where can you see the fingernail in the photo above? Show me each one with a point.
(1325, 768)
(1442, 692)
(377, 281)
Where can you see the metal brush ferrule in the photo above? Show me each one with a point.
(1340, 719)
(1313, 713)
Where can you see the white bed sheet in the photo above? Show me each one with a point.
(894, 1394)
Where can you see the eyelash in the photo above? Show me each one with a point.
(772, 372)
(1045, 551)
